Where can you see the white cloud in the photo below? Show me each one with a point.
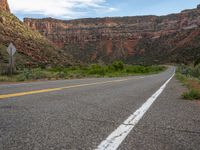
(60, 8)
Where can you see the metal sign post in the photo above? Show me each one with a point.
(11, 51)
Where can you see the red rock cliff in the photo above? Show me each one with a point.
(133, 39)
(4, 6)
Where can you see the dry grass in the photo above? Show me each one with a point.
(193, 85)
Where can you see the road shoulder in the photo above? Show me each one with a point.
(171, 124)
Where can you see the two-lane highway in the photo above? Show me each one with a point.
(96, 114)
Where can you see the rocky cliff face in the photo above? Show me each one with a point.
(142, 39)
(4, 6)
(32, 48)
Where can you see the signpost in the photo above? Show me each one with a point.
(11, 51)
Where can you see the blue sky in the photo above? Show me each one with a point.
(72, 9)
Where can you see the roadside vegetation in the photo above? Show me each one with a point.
(190, 77)
(116, 69)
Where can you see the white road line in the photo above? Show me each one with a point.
(114, 140)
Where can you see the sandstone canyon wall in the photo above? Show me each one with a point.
(140, 39)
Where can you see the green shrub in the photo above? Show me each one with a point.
(192, 95)
(37, 74)
(61, 75)
(118, 65)
(116, 69)
(96, 70)
(196, 72)
(190, 71)
(56, 69)
(34, 74)
(181, 77)
(24, 75)
(21, 77)
(132, 69)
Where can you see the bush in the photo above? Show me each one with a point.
(132, 69)
(118, 65)
(96, 70)
(192, 95)
(37, 74)
(61, 75)
(190, 71)
(196, 72)
(24, 75)
(21, 77)
(56, 69)
(181, 77)
(34, 74)
(189, 76)
(116, 69)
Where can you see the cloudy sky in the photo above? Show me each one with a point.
(71, 9)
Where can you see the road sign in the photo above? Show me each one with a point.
(11, 49)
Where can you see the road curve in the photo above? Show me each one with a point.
(81, 114)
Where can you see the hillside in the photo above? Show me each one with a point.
(140, 39)
(32, 48)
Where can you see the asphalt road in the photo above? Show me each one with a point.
(84, 114)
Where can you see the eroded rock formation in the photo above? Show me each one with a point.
(4, 6)
(141, 39)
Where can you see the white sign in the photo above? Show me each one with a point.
(11, 49)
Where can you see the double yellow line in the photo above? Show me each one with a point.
(4, 96)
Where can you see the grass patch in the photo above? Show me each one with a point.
(190, 77)
(117, 69)
(182, 78)
(192, 94)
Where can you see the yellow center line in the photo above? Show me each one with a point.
(56, 89)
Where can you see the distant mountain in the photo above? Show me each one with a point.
(32, 48)
(140, 39)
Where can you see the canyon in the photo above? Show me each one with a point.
(172, 38)
(143, 40)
